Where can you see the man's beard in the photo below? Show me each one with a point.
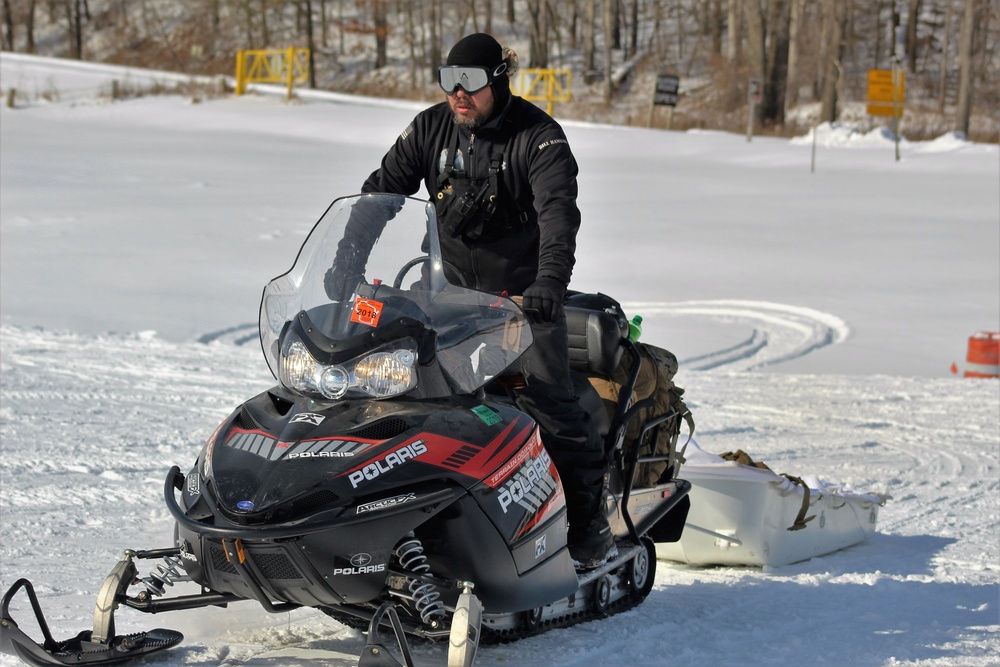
(473, 123)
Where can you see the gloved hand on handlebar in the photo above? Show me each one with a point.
(545, 297)
(340, 284)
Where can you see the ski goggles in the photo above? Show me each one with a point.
(469, 79)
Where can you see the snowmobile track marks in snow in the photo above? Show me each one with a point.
(780, 332)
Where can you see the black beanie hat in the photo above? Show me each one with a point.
(478, 50)
(481, 50)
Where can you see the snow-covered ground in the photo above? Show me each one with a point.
(815, 315)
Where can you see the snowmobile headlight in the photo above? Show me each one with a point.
(334, 382)
(387, 371)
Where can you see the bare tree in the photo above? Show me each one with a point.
(310, 44)
(966, 40)
(381, 33)
(608, 25)
(776, 61)
(434, 58)
(715, 25)
(755, 37)
(794, 24)
(633, 25)
(910, 45)
(735, 14)
(835, 24)
(74, 17)
(589, 38)
(943, 69)
(8, 26)
(538, 30)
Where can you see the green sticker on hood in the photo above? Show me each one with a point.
(487, 414)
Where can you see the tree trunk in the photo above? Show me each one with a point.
(608, 25)
(310, 44)
(265, 32)
(792, 81)
(381, 34)
(616, 23)
(633, 40)
(589, 38)
(836, 11)
(943, 71)
(434, 59)
(735, 13)
(29, 28)
(755, 38)
(776, 65)
(716, 27)
(538, 50)
(75, 21)
(912, 20)
(412, 40)
(8, 26)
(965, 41)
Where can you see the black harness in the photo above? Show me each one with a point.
(468, 207)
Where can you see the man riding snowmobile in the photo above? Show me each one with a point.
(503, 180)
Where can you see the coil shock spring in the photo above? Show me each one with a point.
(426, 598)
(165, 575)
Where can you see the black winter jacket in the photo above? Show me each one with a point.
(533, 232)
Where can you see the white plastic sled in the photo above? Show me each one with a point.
(744, 515)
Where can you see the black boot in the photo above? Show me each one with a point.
(591, 542)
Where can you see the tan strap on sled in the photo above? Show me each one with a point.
(801, 520)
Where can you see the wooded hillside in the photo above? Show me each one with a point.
(812, 56)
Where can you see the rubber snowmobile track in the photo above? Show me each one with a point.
(589, 609)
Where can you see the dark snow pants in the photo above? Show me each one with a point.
(568, 433)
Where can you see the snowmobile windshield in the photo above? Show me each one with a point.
(369, 280)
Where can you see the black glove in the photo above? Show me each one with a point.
(340, 284)
(545, 297)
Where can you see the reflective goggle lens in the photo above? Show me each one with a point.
(469, 79)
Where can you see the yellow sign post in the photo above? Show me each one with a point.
(544, 85)
(289, 65)
(885, 96)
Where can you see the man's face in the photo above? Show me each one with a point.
(471, 110)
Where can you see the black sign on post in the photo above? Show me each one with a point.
(667, 86)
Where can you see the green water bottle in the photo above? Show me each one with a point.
(635, 328)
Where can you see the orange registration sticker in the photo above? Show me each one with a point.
(366, 311)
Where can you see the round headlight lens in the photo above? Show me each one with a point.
(334, 382)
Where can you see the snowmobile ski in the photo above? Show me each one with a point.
(87, 648)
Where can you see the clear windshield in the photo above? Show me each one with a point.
(372, 266)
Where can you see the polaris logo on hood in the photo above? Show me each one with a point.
(530, 486)
(391, 460)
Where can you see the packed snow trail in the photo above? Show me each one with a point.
(779, 332)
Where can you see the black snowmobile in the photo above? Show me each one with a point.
(388, 479)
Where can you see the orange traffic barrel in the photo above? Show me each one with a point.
(983, 359)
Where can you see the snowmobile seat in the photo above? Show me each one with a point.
(597, 327)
